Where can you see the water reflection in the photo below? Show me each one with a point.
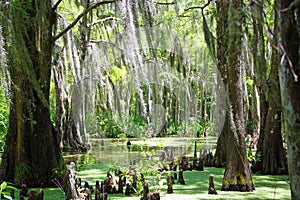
(116, 151)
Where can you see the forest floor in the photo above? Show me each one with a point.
(196, 187)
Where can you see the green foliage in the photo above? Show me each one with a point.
(4, 187)
(136, 147)
(253, 157)
(117, 73)
(91, 124)
(22, 6)
(250, 125)
(52, 103)
(84, 162)
(193, 126)
(134, 126)
(250, 82)
(4, 117)
(109, 127)
(24, 172)
(172, 127)
(130, 126)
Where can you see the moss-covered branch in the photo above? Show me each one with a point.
(80, 16)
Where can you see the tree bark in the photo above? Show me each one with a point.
(238, 176)
(270, 147)
(220, 154)
(259, 72)
(222, 52)
(32, 149)
(290, 87)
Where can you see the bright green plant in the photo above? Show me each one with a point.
(4, 116)
(253, 157)
(109, 126)
(5, 187)
(84, 161)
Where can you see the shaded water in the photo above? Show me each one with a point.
(114, 152)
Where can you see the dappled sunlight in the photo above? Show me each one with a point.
(196, 187)
(196, 182)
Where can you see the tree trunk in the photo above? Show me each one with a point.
(220, 154)
(61, 101)
(290, 87)
(259, 72)
(270, 149)
(68, 137)
(69, 134)
(238, 176)
(222, 51)
(32, 149)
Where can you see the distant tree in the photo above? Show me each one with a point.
(290, 87)
(270, 145)
(259, 71)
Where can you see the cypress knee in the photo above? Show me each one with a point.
(170, 184)
(98, 191)
(211, 185)
(120, 184)
(180, 179)
(146, 192)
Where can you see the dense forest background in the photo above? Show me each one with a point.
(76, 70)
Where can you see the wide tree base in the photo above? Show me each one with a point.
(238, 183)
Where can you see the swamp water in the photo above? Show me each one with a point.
(115, 152)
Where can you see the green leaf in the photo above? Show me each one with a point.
(3, 186)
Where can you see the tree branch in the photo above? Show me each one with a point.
(165, 4)
(80, 16)
(198, 7)
(106, 42)
(56, 5)
(103, 20)
(285, 55)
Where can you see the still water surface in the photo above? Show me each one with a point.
(114, 152)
